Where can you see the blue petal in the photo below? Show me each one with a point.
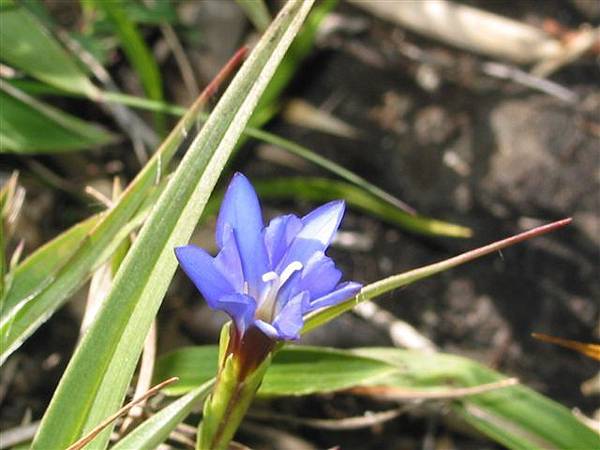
(267, 328)
(343, 292)
(199, 267)
(322, 223)
(241, 211)
(318, 229)
(320, 276)
(279, 234)
(241, 309)
(228, 261)
(290, 319)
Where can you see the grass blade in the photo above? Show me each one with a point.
(511, 414)
(515, 416)
(28, 303)
(152, 432)
(26, 44)
(300, 49)
(28, 125)
(323, 189)
(58, 286)
(382, 286)
(137, 52)
(33, 272)
(81, 443)
(261, 135)
(97, 376)
(257, 12)
(588, 349)
(296, 370)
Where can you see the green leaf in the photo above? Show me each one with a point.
(304, 370)
(36, 270)
(373, 290)
(103, 238)
(137, 52)
(192, 365)
(322, 189)
(45, 280)
(296, 370)
(330, 166)
(27, 45)
(229, 401)
(269, 138)
(515, 416)
(32, 310)
(300, 49)
(97, 377)
(155, 430)
(28, 125)
(155, 13)
(261, 135)
(257, 13)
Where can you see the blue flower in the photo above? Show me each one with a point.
(268, 278)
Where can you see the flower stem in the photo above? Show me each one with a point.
(232, 395)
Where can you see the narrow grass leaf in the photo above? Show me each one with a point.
(97, 376)
(89, 437)
(261, 135)
(300, 49)
(137, 52)
(33, 310)
(155, 430)
(26, 44)
(43, 282)
(296, 370)
(394, 282)
(323, 189)
(515, 416)
(28, 125)
(192, 365)
(31, 274)
(257, 12)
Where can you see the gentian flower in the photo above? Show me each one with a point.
(268, 278)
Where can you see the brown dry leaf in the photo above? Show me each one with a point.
(591, 350)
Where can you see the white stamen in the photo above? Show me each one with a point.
(270, 276)
(289, 271)
(268, 300)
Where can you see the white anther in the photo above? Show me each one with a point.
(268, 300)
(289, 271)
(270, 276)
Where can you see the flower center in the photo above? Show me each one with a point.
(268, 298)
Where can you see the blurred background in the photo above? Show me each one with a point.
(479, 113)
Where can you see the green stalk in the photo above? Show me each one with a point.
(228, 403)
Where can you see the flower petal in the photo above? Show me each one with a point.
(267, 328)
(240, 308)
(241, 211)
(279, 234)
(319, 227)
(290, 319)
(320, 276)
(343, 292)
(228, 261)
(322, 223)
(199, 267)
